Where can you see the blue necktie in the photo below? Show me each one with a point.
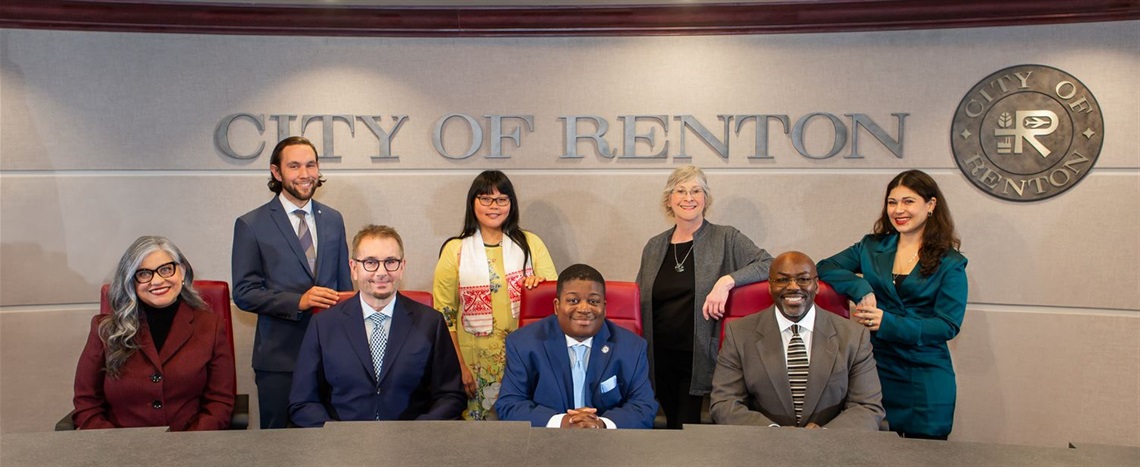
(579, 374)
(377, 341)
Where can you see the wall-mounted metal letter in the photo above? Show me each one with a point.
(718, 145)
(838, 141)
(761, 148)
(222, 135)
(497, 135)
(384, 137)
(472, 125)
(895, 146)
(601, 126)
(328, 152)
(629, 144)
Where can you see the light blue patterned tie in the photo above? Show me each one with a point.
(377, 340)
(579, 374)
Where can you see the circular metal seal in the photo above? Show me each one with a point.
(1027, 133)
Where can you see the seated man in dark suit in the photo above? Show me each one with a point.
(576, 369)
(378, 355)
(796, 366)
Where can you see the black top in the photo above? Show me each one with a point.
(159, 321)
(899, 278)
(674, 294)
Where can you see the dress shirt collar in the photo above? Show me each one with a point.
(571, 342)
(785, 324)
(368, 310)
(290, 207)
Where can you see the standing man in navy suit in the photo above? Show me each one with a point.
(379, 355)
(289, 257)
(576, 369)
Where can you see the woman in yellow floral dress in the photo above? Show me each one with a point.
(478, 282)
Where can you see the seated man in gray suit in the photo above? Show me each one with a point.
(798, 367)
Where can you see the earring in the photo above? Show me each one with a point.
(930, 214)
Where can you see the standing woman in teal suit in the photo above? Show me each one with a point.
(912, 297)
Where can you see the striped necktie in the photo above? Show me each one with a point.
(306, 238)
(797, 371)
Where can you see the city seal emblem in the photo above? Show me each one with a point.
(1027, 133)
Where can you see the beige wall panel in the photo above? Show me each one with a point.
(76, 100)
(74, 228)
(1047, 377)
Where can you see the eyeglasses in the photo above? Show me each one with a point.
(695, 192)
(167, 270)
(786, 281)
(373, 265)
(487, 200)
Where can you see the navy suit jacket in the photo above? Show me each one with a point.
(270, 273)
(537, 384)
(419, 378)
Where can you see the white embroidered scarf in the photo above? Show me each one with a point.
(475, 282)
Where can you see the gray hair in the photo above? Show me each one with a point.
(681, 175)
(118, 332)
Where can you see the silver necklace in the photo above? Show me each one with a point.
(909, 262)
(680, 264)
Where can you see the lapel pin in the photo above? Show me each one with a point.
(605, 349)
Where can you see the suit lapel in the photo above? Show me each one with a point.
(885, 265)
(397, 335)
(146, 345)
(353, 324)
(824, 351)
(600, 353)
(559, 359)
(325, 249)
(770, 346)
(281, 218)
(180, 332)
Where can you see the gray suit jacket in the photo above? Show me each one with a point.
(717, 250)
(750, 386)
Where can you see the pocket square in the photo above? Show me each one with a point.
(609, 384)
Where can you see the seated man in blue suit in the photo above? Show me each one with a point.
(576, 369)
(378, 355)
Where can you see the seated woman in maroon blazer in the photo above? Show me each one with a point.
(161, 358)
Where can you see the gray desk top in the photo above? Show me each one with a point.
(515, 443)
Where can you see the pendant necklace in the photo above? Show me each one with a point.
(680, 264)
(909, 262)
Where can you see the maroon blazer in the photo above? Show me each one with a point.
(188, 386)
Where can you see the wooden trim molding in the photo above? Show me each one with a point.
(598, 20)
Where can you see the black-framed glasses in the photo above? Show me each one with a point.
(488, 200)
(800, 281)
(167, 270)
(373, 264)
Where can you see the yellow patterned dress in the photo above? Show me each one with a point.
(485, 356)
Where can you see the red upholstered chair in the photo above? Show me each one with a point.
(216, 294)
(417, 295)
(752, 298)
(623, 304)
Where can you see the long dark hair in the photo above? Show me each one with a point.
(938, 234)
(484, 184)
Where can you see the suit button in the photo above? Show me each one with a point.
(156, 378)
(156, 404)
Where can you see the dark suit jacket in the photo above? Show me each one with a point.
(537, 384)
(187, 386)
(919, 316)
(750, 385)
(419, 378)
(270, 273)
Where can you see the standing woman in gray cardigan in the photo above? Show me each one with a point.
(685, 276)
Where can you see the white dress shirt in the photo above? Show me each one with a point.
(294, 220)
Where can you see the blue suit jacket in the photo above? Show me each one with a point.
(919, 316)
(419, 378)
(270, 273)
(537, 384)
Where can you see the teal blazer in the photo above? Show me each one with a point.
(919, 316)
